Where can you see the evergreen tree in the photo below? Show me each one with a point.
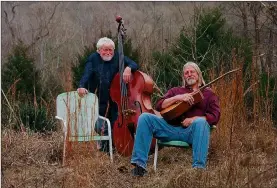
(19, 74)
(207, 43)
(78, 69)
(21, 83)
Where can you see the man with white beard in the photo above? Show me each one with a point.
(100, 69)
(193, 127)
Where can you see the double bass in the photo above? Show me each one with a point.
(132, 99)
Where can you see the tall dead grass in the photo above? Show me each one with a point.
(242, 154)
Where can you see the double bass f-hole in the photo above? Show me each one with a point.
(136, 103)
(128, 113)
(131, 112)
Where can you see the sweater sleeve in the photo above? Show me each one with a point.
(130, 63)
(87, 73)
(159, 103)
(213, 110)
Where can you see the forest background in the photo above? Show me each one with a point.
(44, 47)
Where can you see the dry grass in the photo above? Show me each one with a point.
(35, 161)
(242, 154)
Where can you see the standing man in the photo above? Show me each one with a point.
(194, 128)
(101, 67)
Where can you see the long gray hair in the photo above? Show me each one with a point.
(196, 67)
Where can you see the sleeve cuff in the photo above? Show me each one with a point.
(210, 119)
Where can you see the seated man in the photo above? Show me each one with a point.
(193, 129)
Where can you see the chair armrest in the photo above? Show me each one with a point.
(106, 119)
(64, 123)
(59, 118)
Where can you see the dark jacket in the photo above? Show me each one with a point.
(208, 107)
(99, 74)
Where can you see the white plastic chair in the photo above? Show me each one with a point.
(79, 115)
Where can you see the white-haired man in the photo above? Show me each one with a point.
(194, 127)
(100, 69)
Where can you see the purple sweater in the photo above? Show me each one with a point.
(208, 107)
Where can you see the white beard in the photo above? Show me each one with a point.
(107, 58)
(190, 81)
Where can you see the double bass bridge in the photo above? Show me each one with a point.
(128, 112)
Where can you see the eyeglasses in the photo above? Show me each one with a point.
(107, 49)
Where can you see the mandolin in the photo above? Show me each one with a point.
(174, 111)
(177, 109)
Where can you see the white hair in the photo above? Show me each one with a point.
(104, 41)
(196, 67)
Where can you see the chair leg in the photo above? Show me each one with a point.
(64, 149)
(110, 140)
(111, 148)
(156, 155)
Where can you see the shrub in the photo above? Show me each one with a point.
(207, 43)
(20, 75)
(36, 118)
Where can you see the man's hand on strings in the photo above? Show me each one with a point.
(127, 75)
(185, 97)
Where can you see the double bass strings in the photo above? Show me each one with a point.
(123, 87)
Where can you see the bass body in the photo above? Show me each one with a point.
(137, 101)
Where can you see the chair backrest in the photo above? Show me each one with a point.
(79, 113)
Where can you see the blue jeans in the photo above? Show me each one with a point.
(150, 125)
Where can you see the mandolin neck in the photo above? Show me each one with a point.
(210, 83)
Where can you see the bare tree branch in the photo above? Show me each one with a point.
(208, 50)
(9, 22)
(44, 29)
(272, 11)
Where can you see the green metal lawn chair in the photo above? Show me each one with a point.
(79, 115)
